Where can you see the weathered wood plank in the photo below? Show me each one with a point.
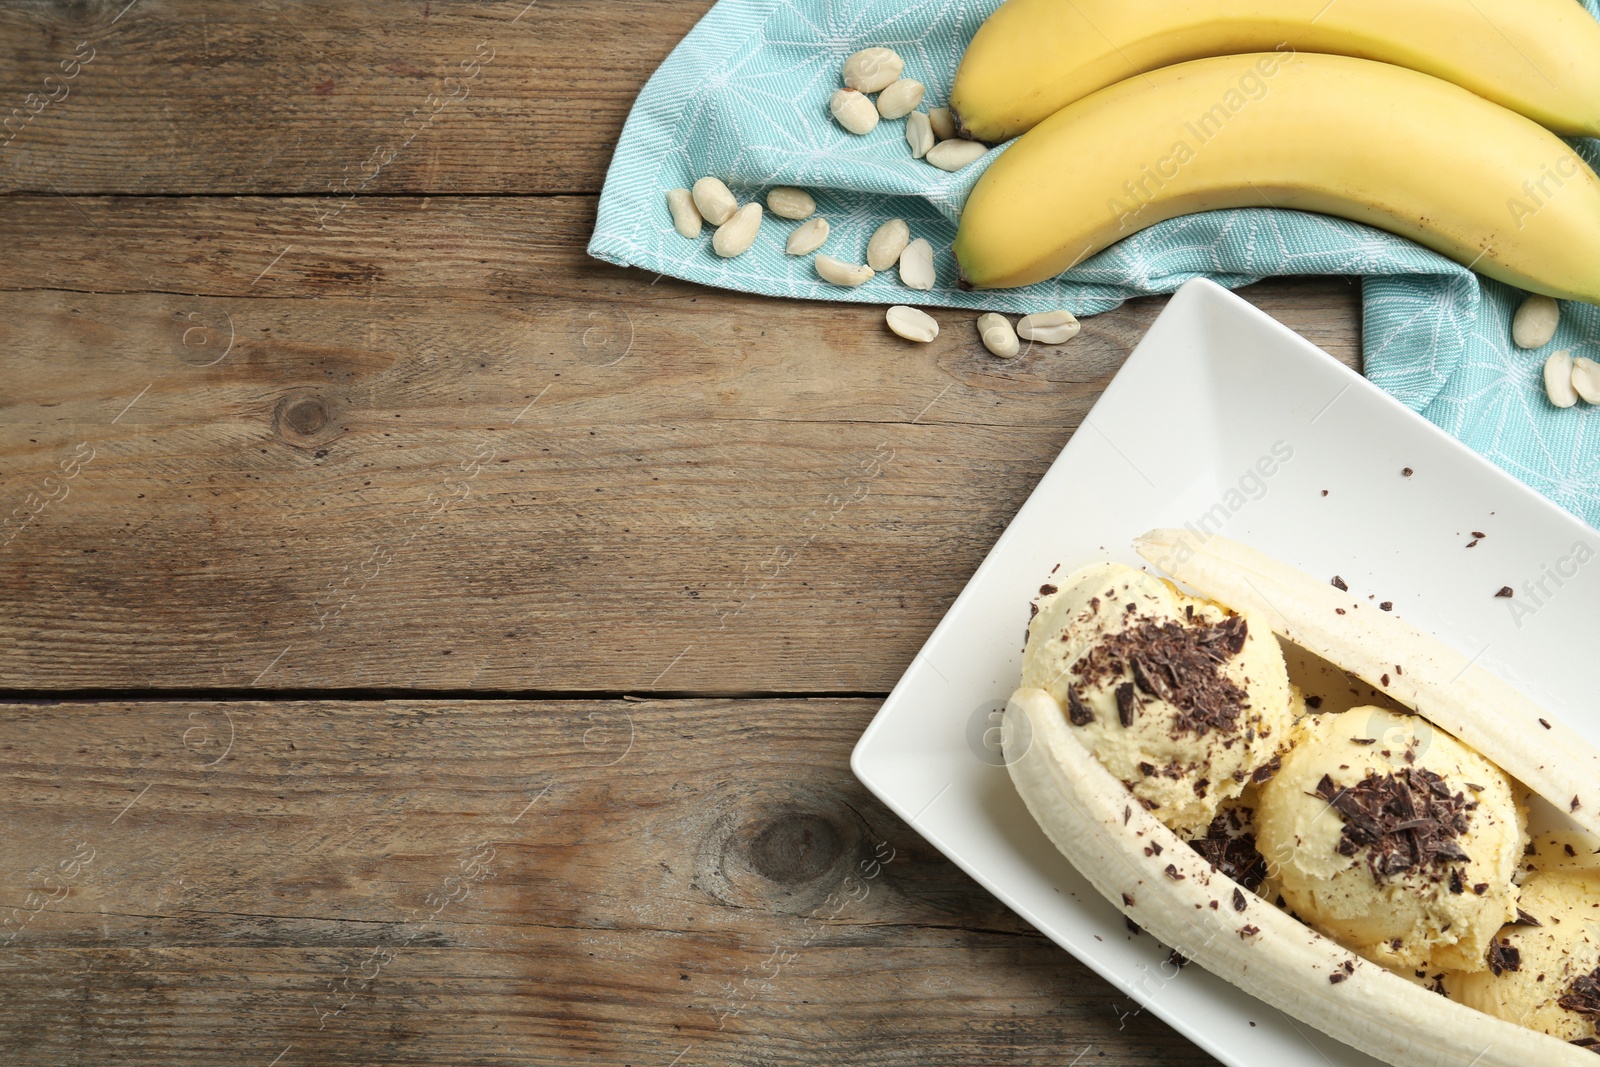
(320, 97)
(503, 882)
(489, 461)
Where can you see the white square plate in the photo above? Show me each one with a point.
(1215, 396)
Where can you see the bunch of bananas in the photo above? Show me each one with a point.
(1431, 119)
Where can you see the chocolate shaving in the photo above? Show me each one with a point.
(1265, 772)
(1338, 583)
(1238, 899)
(1173, 873)
(1125, 703)
(1405, 821)
(1336, 977)
(1179, 663)
(1127, 900)
(1313, 702)
(1583, 996)
(1524, 919)
(1503, 957)
(1248, 930)
(1233, 854)
(1078, 712)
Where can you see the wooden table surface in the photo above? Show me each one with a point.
(418, 642)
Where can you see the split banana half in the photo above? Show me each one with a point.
(1159, 882)
(1371, 142)
(1540, 58)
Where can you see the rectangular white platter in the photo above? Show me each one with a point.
(1224, 418)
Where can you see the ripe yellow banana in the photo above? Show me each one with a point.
(1366, 141)
(1033, 57)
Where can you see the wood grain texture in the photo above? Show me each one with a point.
(286, 404)
(505, 882)
(307, 96)
(446, 450)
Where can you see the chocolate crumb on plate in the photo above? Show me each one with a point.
(1407, 471)
(1545, 724)
(1174, 874)
(1387, 605)
(1047, 590)
(1248, 930)
(1238, 899)
(1506, 590)
(1338, 583)
(1336, 977)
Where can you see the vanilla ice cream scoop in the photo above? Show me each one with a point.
(1178, 698)
(1393, 838)
(1546, 976)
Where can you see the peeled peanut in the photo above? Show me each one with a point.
(714, 200)
(807, 238)
(953, 155)
(838, 272)
(1048, 327)
(1535, 322)
(872, 70)
(735, 236)
(943, 123)
(890, 239)
(853, 111)
(1586, 379)
(998, 336)
(685, 216)
(1558, 379)
(912, 324)
(919, 135)
(916, 266)
(787, 202)
(900, 99)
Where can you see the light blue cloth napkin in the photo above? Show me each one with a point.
(744, 97)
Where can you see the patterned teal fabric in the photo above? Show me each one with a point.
(744, 97)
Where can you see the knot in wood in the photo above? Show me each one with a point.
(795, 847)
(306, 416)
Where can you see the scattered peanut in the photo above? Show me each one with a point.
(953, 155)
(787, 202)
(852, 110)
(685, 216)
(715, 201)
(1558, 379)
(1535, 322)
(901, 98)
(1586, 379)
(919, 135)
(890, 239)
(943, 123)
(1048, 327)
(838, 272)
(807, 238)
(916, 266)
(734, 237)
(998, 336)
(912, 324)
(872, 70)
